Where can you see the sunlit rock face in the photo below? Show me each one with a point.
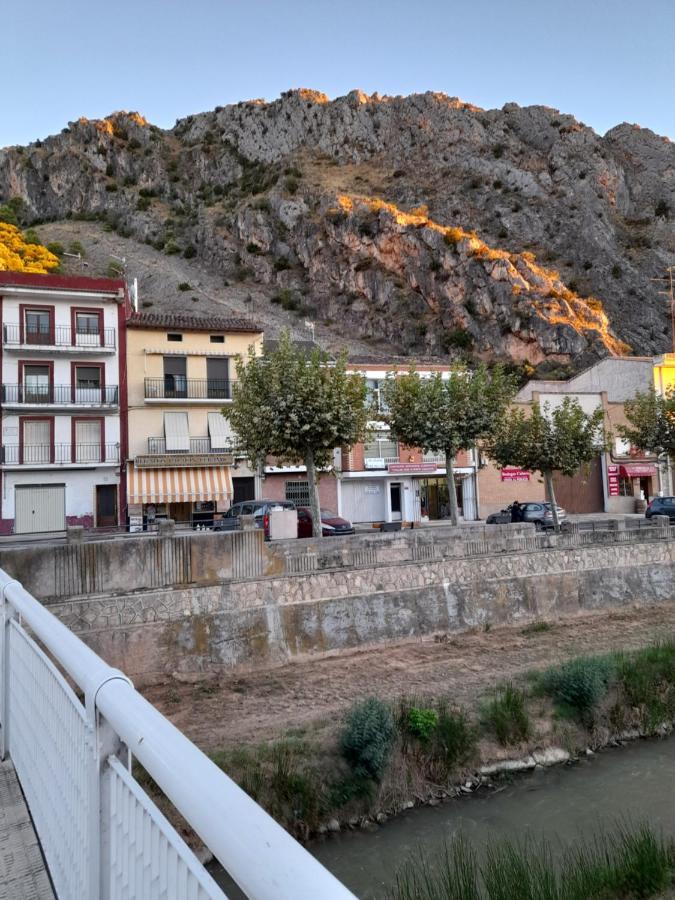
(422, 222)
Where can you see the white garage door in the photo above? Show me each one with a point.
(363, 501)
(40, 507)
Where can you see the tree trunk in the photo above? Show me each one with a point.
(452, 493)
(550, 493)
(314, 504)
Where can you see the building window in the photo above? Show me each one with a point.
(88, 327)
(622, 447)
(297, 492)
(88, 381)
(381, 448)
(218, 378)
(217, 338)
(177, 432)
(37, 384)
(38, 326)
(174, 336)
(36, 441)
(175, 379)
(625, 487)
(375, 395)
(88, 440)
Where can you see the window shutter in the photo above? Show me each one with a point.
(176, 431)
(219, 431)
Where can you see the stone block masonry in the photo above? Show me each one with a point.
(258, 621)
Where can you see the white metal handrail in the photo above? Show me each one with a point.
(125, 833)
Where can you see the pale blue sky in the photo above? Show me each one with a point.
(605, 61)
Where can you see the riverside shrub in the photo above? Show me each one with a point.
(454, 737)
(506, 717)
(578, 686)
(367, 737)
(421, 723)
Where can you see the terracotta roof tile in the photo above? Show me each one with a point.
(161, 321)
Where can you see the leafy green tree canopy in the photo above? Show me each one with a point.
(297, 408)
(652, 422)
(448, 414)
(548, 440)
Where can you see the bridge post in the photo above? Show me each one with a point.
(7, 616)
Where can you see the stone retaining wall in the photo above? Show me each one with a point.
(257, 622)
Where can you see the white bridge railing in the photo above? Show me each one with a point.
(102, 836)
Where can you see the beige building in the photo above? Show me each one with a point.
(183, 462)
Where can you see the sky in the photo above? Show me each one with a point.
(604, 61)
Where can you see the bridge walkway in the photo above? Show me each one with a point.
(23, 874)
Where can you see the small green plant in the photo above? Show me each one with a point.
(76, 247)
(421, 723)
(291, 184)
(190, 251)
(367, 737)
(506, 717)
(185, 286)
(111, 187)
(143, 204)
(662, 209)
(458, 339)
(647, 679)
(498, 151)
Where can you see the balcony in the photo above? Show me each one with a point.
(176, 387)
(58, 338)
(59, 395)
(199, 447)
(39, 455)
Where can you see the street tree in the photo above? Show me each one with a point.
(297, 408)
(547, 440)
(651, 427)
(448, 414)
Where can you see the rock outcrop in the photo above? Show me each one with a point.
(421, 222)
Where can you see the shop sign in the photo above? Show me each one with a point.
(613, 481)
(515, 475)
(183, 460)
(411, 468)
(638, 470)
(135, 523)
(371, 489)
(374, 463)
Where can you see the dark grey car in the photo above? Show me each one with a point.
(539, 513)
(661, 506)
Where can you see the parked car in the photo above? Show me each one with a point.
(539, 513)
(661, 506)
(331, 524)
(258, 508)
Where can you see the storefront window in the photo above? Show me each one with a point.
(625, 486)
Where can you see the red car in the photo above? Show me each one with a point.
(331, 525)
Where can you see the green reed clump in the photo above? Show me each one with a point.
(506, 717)
(624, 863)
(367, 737)
(647, 678)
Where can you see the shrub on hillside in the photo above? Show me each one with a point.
(421, 723)
(367, 737)
(454, 737)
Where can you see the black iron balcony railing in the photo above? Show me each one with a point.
(59, 454)
(157, 445)
(57, 394)
(58, 336)
(176, 387)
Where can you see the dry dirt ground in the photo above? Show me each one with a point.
(313, 692)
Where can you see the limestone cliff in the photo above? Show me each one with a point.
(421, 223)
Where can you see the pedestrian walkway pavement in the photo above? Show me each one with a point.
(23, 874)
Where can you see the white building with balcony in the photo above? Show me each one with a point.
(63, 401)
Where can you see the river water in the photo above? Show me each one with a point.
(635, 782)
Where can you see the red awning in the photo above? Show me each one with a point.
(637, 470)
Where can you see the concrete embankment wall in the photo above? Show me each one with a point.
(405, 588)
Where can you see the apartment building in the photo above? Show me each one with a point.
(63, 401)
(183, 460)
(383, 481)
(624, 478)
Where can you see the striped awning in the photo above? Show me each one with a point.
(178, 485)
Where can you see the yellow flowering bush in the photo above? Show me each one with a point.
(16, 255)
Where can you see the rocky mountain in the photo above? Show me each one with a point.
(419, 225)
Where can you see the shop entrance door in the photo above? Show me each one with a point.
(395, 495)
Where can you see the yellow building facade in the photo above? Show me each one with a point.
(183, 462)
